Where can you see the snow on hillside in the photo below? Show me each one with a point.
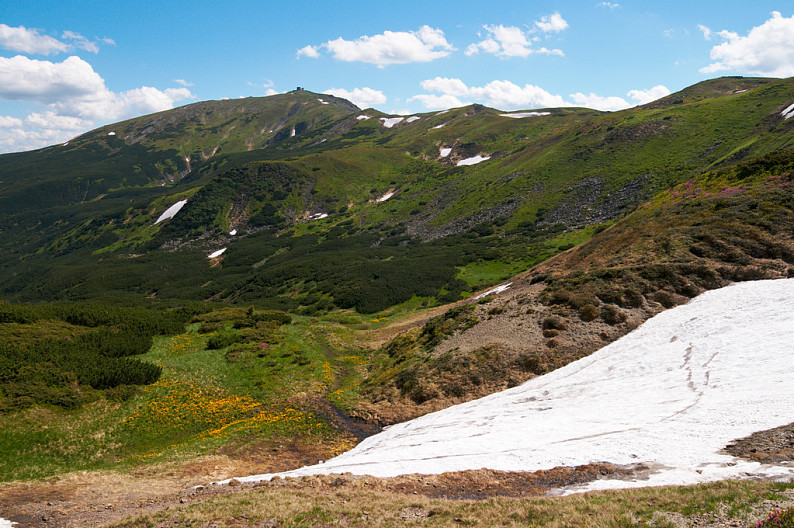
(473, 160)
(788, 112)
(389, 122)
(669, 395)
(519, 115)
(171, 211)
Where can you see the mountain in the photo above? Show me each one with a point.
(319, 205)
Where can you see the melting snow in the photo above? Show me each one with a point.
(233, 232)
(442, 125)
(519, 115)
(492, 291)
(473, 161)
(412, 119)
(323, 102)
(445, 152)
(111, 133)
(6, 524)
(171, 211)
(788, 112)
(318, 216)
(389, 122)
(385, 197)
(216, 253)
(671, 395)
(362, 117)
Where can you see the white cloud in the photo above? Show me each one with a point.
(391, 47)
(552, 23)
(72, 87)
(506, 95)
(642, 97)
(611, 5)
(271, 91)
(9, 122)
(29, 41)
(597, 102)
(80, 42)
(46, 82)
(445, 85)
(512, 41)
(73, 96)
(361, 97)
(309, 51)
(183, 82)
(52, 121)
(767, 49)
(438, 102)
(705, 30)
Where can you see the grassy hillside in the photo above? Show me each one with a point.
(347, 212)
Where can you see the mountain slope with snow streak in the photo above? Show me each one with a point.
(670, 395)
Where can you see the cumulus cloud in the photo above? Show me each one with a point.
(705, 30)
(73, 97)
(361, 97)
(29, 41)
(313, 52)
(642, 97)
(552, 24)
(9, 122)
(597, 102)
(390, 47)
(767, 49)
(506, 95)
(512, 41)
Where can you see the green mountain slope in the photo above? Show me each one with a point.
(332, 206)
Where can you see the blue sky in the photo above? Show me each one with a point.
(68, 67)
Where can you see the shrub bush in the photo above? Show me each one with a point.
(778, 519)
(612, 315)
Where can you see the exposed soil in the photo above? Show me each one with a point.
(769, 447)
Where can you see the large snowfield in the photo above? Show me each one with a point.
(671, 395)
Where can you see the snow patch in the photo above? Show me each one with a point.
(323, 102)
(233, 232)
(473, 161)
(493, 291)
(362, 117)
(389, 122)
(64, 145)
(292, 134)
(519, 115)
(318, 216)
(671, 395)
(6, 523)
(788, 112)
(216, 254)
(444, 152)
(385, 197)
(442, 125)
(412, 119)
(171, 211)
(111, 133)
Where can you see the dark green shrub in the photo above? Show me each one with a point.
(612, 315)
(219, 341)
(554, 323)
(588, 312)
